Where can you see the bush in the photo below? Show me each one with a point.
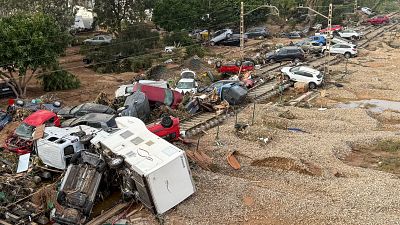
(178, 38)
(195, 50)
(58, 80)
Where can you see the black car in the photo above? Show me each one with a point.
(291, 53)
(217, 85)
(95, 120)
(137, 105)
(233, 41)
(5, 118)
(83, 109)
(258, 33)
(5, 90)
(293, 35)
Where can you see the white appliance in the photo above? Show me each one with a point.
(159, 170)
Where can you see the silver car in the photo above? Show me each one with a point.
(221, 35)
(98, 40)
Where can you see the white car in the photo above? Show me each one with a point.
(349, 34)
(187, 83)
(366, 10)
(221, 35)
(303, 74)
(348, 50)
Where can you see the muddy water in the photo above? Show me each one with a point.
(373, 105)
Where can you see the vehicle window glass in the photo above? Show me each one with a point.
(81, 113)
(307, 74)
(111, 123)
(94, 124)
(185, 85)
(69, 150)
(50, 121)
(169, 97)
(96, 38)
(24, 130)
(101, 38)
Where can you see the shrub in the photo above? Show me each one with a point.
(58, 80)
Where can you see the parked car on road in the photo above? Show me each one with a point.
(303, 74)
(349, 34)
(291, 53)
(378, 20)
(235, 67)
(348, 50)
(221, 35)
(258, 33)
(83, 109)
(98, 40)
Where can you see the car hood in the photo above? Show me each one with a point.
(65, 112)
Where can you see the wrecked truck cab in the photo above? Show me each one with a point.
(79, 188)
(155, 172)
(59, 145)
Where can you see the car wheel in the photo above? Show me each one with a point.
(272, 61)
(238, 63)
(218, 64)
(167, 122)
(296, 60)
(347, 55)
(353, 37)
(261, 37)
(286, 77)
(61, 198)
(212, 43)
(312, 85)
(228, 35)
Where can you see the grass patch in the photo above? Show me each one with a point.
(388, 145)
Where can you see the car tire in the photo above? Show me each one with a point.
(272, 61)
(167, 122)
(61, 198)
(312, 85)
(261, 37)
(115, 163)
(286, 77)
(347, 55)
(212, 43)
(218, 64)
(228, 35)
(353, 38)
(238, 63)
(296, 60)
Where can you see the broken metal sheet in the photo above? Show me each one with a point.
(23, 163)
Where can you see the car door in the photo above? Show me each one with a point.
(281, 55)
(335, 49)
(306, 77)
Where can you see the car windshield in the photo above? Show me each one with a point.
(129, 90)
(185, 85)
(319, 76)
(75, 109)
(294, 69)
(24, 130)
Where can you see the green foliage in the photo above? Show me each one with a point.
(28, 43)
(57, 9)
(195, 50)
(178, 38)
(120, 56)
(58, 80)
(113, 13)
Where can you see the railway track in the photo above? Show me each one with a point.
(201, 122)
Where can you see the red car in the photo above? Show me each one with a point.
(21, 141)
(158, 94)
(334, 28)
(377, 20)
(235, 67)
(168, 128)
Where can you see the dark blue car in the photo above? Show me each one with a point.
(5, 118)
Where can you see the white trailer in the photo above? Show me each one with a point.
(58, 145)
(159, 171)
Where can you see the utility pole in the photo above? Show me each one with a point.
(328, 37)
(355, 6)
(241, 29)
(242, 14)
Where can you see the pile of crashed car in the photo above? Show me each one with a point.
(109, 147)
